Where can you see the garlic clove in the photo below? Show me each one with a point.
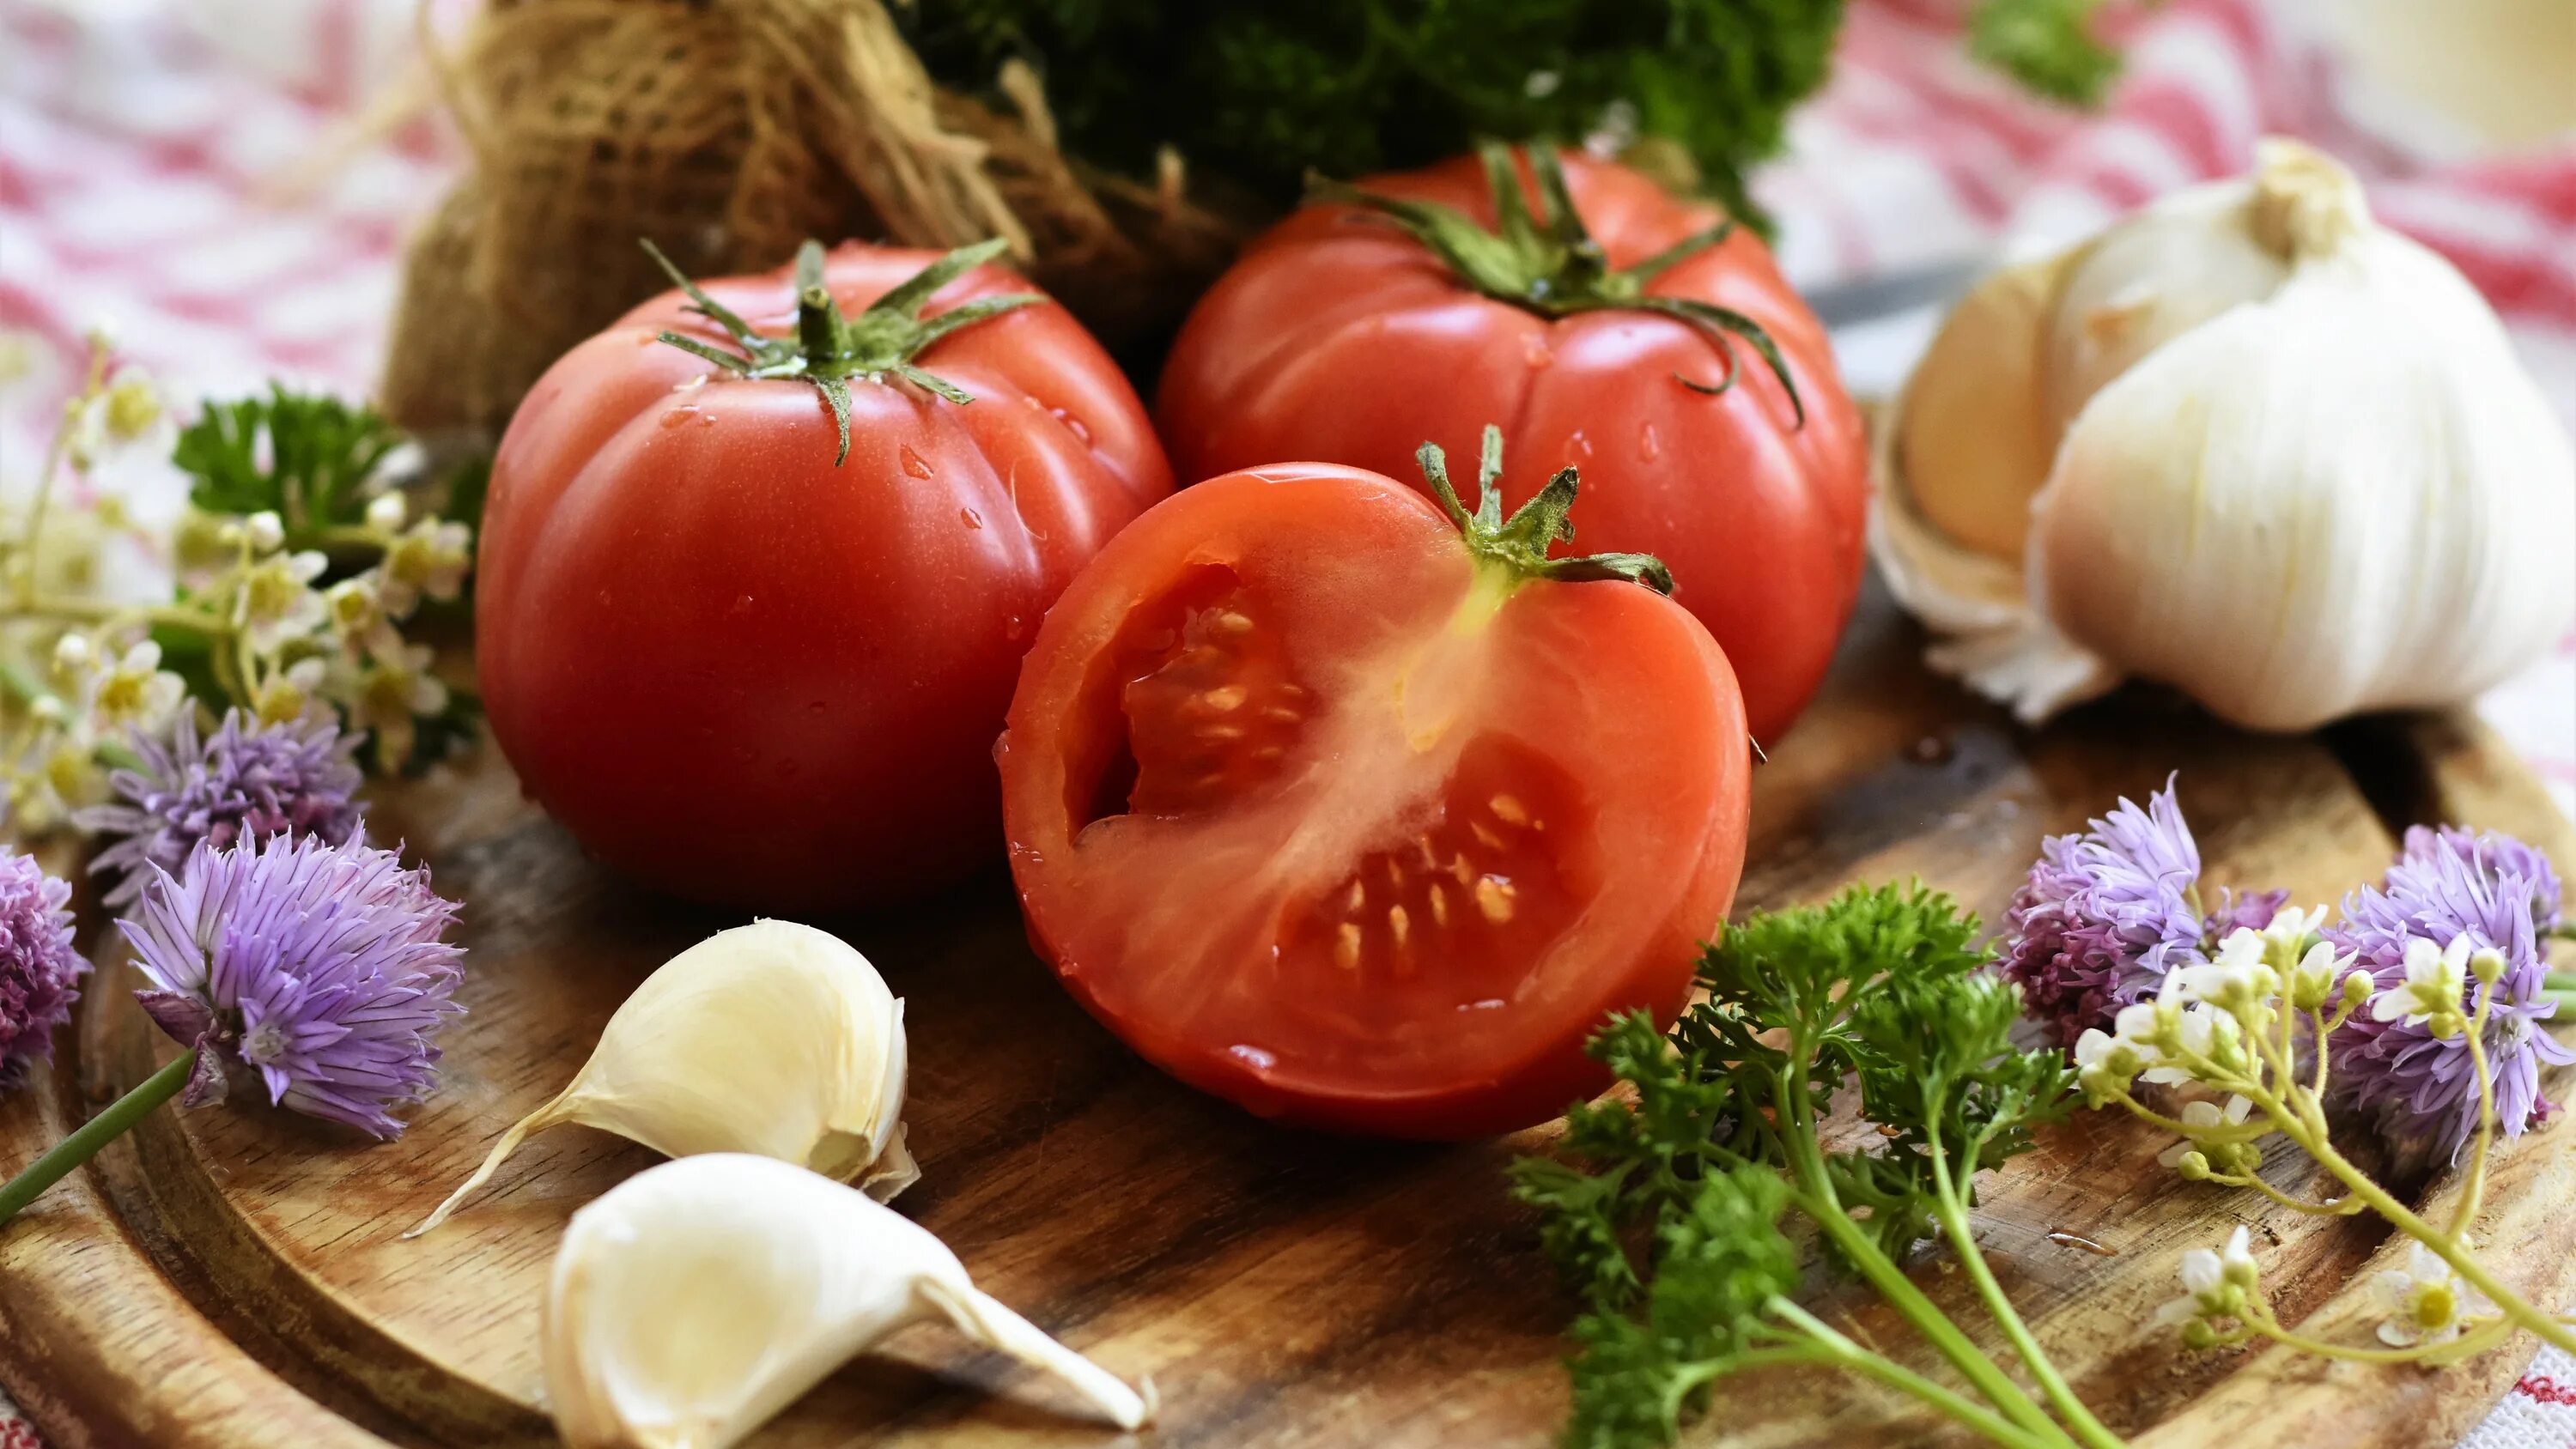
(696, 1300)
(1970, 430)
(773, 1038)
(2145, 282)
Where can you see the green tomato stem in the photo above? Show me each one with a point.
(1842, 1352)
(85, 1140)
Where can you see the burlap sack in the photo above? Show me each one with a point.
(728, 131)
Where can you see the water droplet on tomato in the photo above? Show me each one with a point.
(677, 416)
(1577, 445)
(1537, 353)
(1072, 425)
(1014, 627)
(742, 604)
(972, 518)
(1252, 1056)
(1649, 447)
(706, 419)
(913, 462)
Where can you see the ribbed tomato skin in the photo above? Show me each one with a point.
(1339, 337)
(747, 674)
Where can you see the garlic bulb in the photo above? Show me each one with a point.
(701, 1297)
(772, 1038)
(2247, 442)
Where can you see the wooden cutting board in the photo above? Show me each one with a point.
(233, 1277)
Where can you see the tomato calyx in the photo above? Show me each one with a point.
(1548, 263)
(1515, 549)
(828, 349)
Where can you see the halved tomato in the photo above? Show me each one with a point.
(1365, 817)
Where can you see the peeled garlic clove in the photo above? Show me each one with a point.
(773, 1038)
(2293, 468)
(697, 1299)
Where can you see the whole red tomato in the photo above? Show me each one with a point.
(1365, 815)
(750, 606)
(1429, 304)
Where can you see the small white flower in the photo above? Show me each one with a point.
(2198, 1030)
(134, 693)
(267, 531)
(394, 690)
(288, 694)
(2237, 978)
(2214, 1285)
(428, 558)
(2205, 1115)
(132, 407)
(2291, 927)
(386, 513)
(2318, 977)
(2425, 1303)
(358, 614)
(278, 602)
(72, 655)
(2437, 981)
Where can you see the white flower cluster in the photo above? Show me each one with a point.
(53, 727)
(79, 671)
(2244, 1027)
(2228, 1023)
(301, 647)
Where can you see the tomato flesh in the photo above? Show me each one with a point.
(1322, 815)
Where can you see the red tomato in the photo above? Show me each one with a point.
(1344, 336)
(1328, 813)
(744, 672)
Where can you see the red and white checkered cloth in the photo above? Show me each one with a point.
(201, 176)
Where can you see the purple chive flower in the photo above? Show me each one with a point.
(38, 967)
(316, 967)
(2107, 913)
(245, 780)
(2417, 1090)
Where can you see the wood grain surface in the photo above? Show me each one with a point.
(234, 1278)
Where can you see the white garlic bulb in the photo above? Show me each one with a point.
(699, 1298)
(2249, 443)
(772, 1038)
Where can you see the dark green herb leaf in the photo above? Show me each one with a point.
(304, 456)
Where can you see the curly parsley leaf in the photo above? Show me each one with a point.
(307, 457)
(2047, 45)
(1670, 1227)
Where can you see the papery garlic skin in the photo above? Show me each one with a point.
(2294, 469)
(773, 1038)
(699, 1298)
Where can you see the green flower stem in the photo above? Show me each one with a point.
(85, 1140)
(1885, 1276)
(2444, 1246)
(2565, 996)
(89, 611)
(2342, 1207)
(2306, 1128)
(1842, 1352)
(1951, 1208)
(2474, 1341)
(2473, 1188)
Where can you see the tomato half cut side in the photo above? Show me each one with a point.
(1324, 812)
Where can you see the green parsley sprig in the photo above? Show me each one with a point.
(1666, 1212)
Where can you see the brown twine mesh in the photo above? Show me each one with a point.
(728, 131)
